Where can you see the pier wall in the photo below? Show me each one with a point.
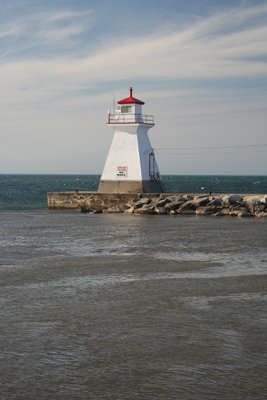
(240, 205)
(90, 200)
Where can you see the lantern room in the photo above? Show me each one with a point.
(128, 111)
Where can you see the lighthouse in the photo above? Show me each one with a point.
(131, 166)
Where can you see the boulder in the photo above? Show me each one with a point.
(244, 212)
(129, 210)
(224, 210)
(172, 212)
(217, 202)
(98, 211)
(161, 210)
(163, 202)
(205, 210)
(85, 210)
(181, 199)
(144, 209)
(151, 211)
(141, 202)
(113, 210)
(259, 207)
(186, 207)
(225, 200)
(234, 211)
(240, 212)
(261, 214)
(187, 212)
(200, 201)
(219, 214)
(255, 199)
(174, 205)
(234, 199)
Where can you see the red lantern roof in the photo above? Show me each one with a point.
(131, 99)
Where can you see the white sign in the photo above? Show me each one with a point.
(122, 170)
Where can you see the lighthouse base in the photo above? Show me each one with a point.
(150, 186)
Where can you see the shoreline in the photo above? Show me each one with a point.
(212, 204)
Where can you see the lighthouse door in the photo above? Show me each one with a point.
(151, 164)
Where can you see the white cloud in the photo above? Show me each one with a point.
(45, 94)
(67, 14)
(10, 30)
(46, 32)
(52, 35)
(195, 52)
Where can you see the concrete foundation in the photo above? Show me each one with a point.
(149, 186)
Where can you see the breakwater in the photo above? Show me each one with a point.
(239, 205)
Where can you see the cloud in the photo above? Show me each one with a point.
(205, 49)
(10, 30)
(46, 32)
(51, 80)
(60, 34)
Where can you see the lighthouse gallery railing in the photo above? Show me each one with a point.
(130, 119)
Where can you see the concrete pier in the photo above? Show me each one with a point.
(240, 205)
(91, 200)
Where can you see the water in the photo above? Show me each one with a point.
(130, 306)
(30, 191)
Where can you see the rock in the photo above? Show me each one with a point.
(129, 210)
(255, 199)
(161, 210)
(98, 211)
(187, 206)
(232, 199)
(240, 212)
(244, 212)
(85, 210)
(188, 196)
(172, 212)
(234, 211)
(219, 214)
(143, 210)
(124, 207)
(181, 198)
(205, 210)
(140, 211)
(187, 212)
(151, 211)
(259, 207)
(225, 211)
(113, 210)
(141, 202)
(261, 214)
(225, 200)
(255, 203)
(174, 205)
(234, 208)
(163, 202)
(200, 201)
(215, 202)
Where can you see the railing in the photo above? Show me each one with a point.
(130, 119)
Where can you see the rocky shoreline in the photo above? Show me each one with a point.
(233, 205)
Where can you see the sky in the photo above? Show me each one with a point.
(200, 66)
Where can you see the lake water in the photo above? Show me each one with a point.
(131, 307)
(30, 191)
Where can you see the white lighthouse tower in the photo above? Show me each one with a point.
(130, 166)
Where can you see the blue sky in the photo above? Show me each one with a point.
(199, 65)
